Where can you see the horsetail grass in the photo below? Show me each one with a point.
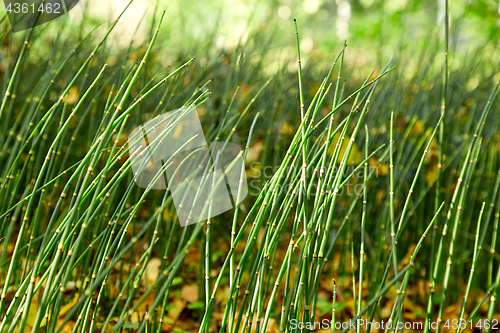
(474, 259)
(354, 166)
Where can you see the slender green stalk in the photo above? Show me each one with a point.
(363, 224)
(334, 301)
(473, 267)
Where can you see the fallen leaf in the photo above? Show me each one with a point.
(254, 152)
(152, 271)
(72, 96)
(189, 293)
(432, 154)
(354, 156)
(418, 128)
(431, 174)
(382, 168)
(176, 309)
(287, 129)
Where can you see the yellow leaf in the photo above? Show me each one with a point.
(287, 129)
(431, 174)
(189, 293)
(254, 152)
(152, 271)
(175, 311)
(408, 255)
(354, 156)
(72, 95)
(314, 89)
(418, 128)
(68, 306)
(433, 152)
(382, 168)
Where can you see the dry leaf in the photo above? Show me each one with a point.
(176, 310)
(72, 96)
(189, 293)
(418, 128)
(382, 168)
(152, 271)
(254, 152)
(431, 174)
(433, 152)
(354, 156)
(407, 257)
(193, 255)
(287, 129)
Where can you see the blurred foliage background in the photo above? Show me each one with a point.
(374, 29)
(382, 26)
(242, 44)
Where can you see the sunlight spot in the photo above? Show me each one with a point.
(284, 12)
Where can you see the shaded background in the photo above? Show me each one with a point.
(374, 29)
